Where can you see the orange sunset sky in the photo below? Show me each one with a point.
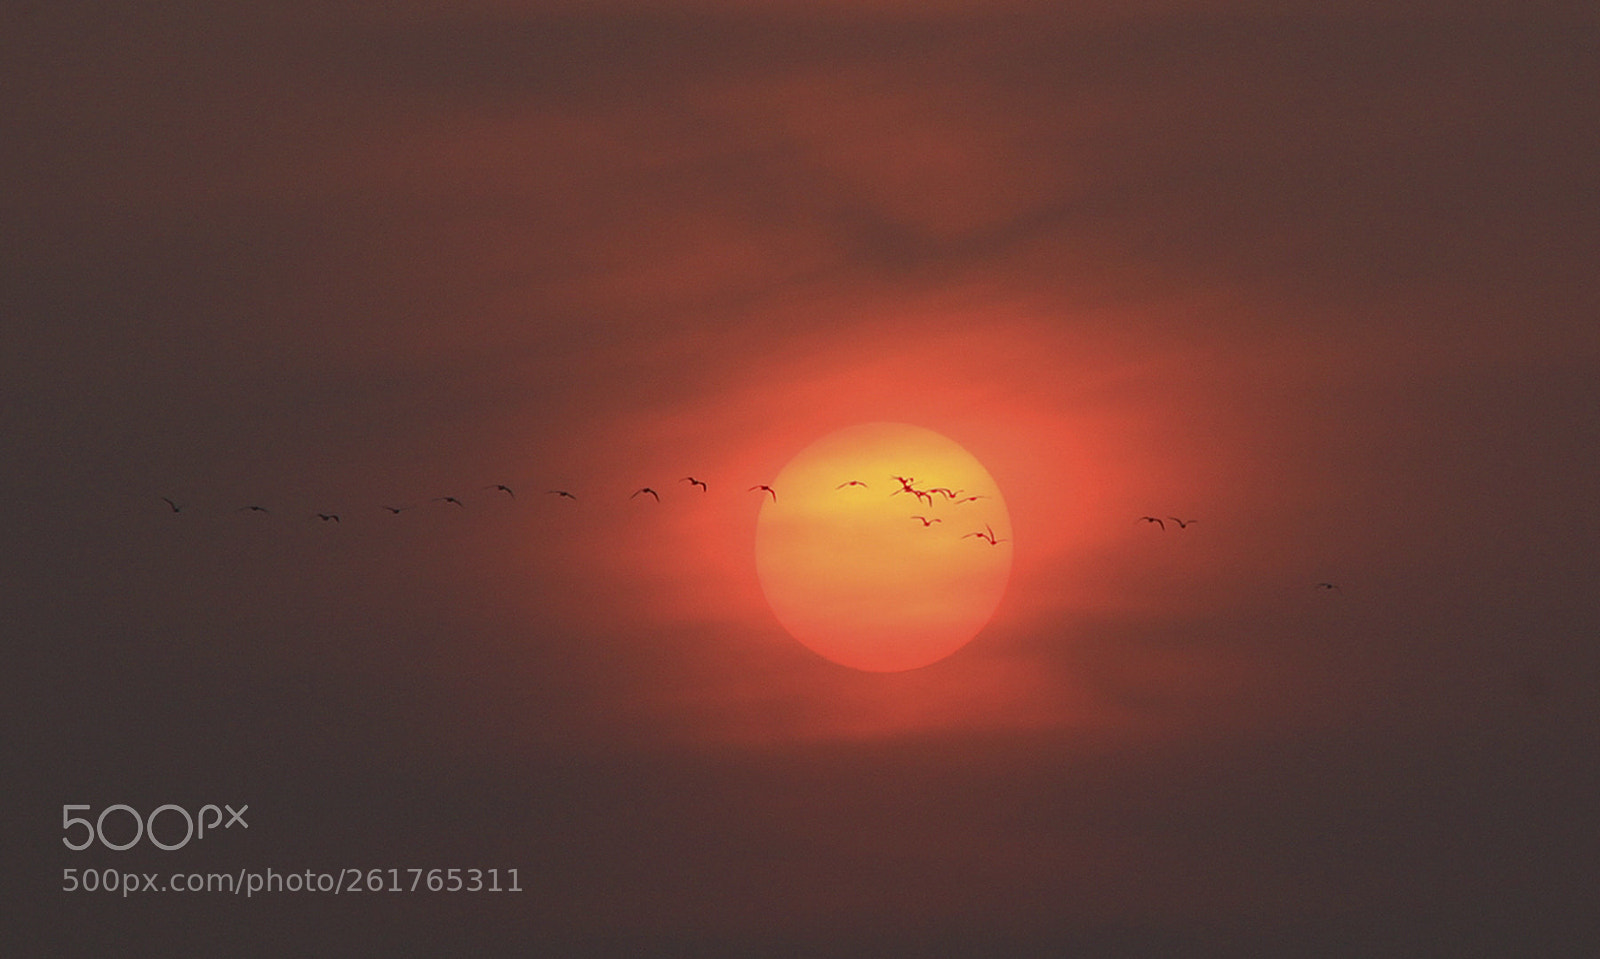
(1321, 279)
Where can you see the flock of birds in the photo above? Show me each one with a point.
(906, 484)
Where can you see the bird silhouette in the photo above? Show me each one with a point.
(851, 483)
(945, 491)
(905, 483)
(253, 509)
(449, 499)
(1182, 523)
(396, 510)
(561, 492)
(1326, 586)
(504, 489)
(1151, 519)
(765, 488)
(987, 536)
(922, 495)
(326, 517)
(175, 507)
(969, 499)
(694, 482)
(645, 489)
(928, 522)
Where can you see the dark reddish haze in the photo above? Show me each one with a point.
(1322, 281)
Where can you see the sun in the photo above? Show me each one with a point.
(884, 546)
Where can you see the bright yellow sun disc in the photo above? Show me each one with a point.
(887, 548)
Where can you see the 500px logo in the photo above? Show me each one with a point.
(194, 827)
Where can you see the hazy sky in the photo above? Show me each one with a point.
(1323, 280)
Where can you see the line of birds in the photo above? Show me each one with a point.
(177, 507)
(906, 485)
(987, 534)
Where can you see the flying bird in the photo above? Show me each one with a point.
(929, 522)
(1182, 523)
(694, 482)
(851, 483)
(968, 499)
(503, 488)
(396, 510)
(561, 492)
(988, 536)
(325, 517)
(764, 488)
(645, 489)
(945, 490)
(175, 507)
(1326, 586)
(905, 483)
(252, 509)
(449, 499)
(922, 495)
(1151, 519)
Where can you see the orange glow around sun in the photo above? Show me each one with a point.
(872, 574)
